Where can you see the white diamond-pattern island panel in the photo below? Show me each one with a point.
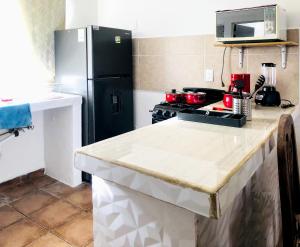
(125, 218)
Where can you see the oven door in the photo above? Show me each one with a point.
(247, 24)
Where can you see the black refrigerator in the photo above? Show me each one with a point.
(96, 63)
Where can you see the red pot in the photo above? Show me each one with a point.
(173, 96)
(227, 100)
(195, 98)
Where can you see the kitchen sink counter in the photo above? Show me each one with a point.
(197, 167)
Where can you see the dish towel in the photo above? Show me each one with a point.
(15, 116)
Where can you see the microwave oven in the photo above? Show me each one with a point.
(258, 24)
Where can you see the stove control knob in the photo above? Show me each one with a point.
(159, 112)
(166, 114)
(173, 114)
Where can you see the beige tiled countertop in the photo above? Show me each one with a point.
(196, 156)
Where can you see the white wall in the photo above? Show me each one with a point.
(80, 13)
(143, 103)
(176, 17)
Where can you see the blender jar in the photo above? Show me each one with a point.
(269, 72)
(268, 95)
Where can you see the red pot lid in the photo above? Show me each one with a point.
(173, 91)
(198, 93)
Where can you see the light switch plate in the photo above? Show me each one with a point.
(209, 75)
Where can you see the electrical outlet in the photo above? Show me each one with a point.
(209, 75)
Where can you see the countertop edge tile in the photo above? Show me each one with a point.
(199, 202)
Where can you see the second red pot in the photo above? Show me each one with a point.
(195, 98)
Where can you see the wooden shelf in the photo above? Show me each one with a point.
(242, 46)
(245, 45)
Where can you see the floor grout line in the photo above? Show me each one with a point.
(24, 216)
(61, 238)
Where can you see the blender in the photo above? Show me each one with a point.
(268, 95)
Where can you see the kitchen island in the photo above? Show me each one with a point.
(179, 183)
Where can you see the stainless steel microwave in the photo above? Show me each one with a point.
(258, 24)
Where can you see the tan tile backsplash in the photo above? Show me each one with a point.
(161, 64)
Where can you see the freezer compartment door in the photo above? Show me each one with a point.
(112, 107)
(109, 52)
(70, 60)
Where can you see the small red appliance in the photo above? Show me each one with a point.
(239, 77)
(228, 97)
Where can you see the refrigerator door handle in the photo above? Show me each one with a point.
(90, 58)
(91, 111)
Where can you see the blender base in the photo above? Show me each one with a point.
(268, 96)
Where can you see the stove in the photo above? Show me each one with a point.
(164, 110)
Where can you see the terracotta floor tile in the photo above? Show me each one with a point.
(20, 234)
(55, 214)
(38, 199)
(78, 231)
(6, 185)
(49, 240)
(42, 181)
(8, 216)
(4, 200)
(58, 189)
(82, 197)
(18, 191)
(33, 202)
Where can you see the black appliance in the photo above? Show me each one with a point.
(268, 96)
(96, 63)
(164, 110)
(212, 117)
